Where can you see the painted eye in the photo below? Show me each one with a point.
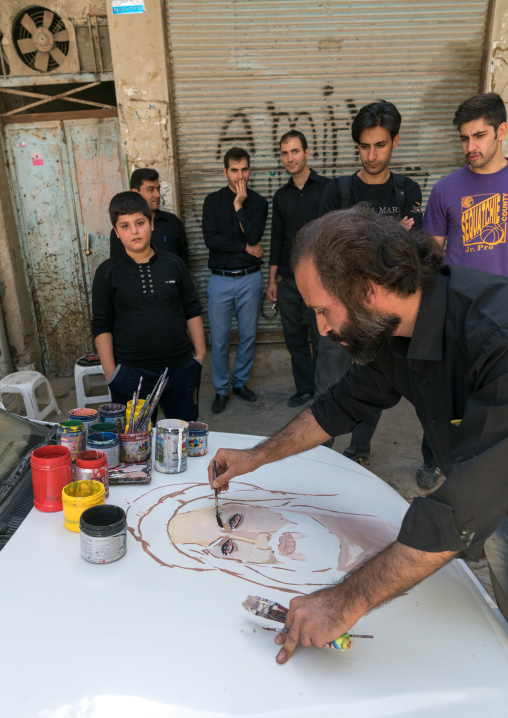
(235, 521)
(227, 548)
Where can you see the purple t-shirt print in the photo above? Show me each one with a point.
(471, 210)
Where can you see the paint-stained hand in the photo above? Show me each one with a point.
(407, 223)
(230, 463)
(313, 620)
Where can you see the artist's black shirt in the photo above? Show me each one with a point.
(454, 367)
(293, 208)
(146, 308)
(222, 233)
(381, 197)
(168, 235)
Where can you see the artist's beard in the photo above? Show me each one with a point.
(363, 334)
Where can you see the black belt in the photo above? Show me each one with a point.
(235, 272)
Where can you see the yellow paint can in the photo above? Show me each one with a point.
(77, 497)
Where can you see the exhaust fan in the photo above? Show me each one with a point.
(41, 39)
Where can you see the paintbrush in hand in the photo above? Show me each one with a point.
(217, 516)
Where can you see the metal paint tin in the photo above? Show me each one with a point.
(92, 465)
(109, 443)
(103, 426)
(87, 416)
(103, 534)
(72, 434)
(171, 446)
(114, 413)
(198, 438)
(134, 447)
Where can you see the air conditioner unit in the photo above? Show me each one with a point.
(38, 39)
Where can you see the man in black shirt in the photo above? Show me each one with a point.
(234, 220)
(437, 336)
(375, 131)
(145, 308)
(294, 205)
(168, 233)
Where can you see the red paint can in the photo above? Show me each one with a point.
(51, 471)
(93, 465)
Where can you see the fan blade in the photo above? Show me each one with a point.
(62, 36)
(28, 24)
(47, 18)
(41, 61)
(57, 55)
(27, 45)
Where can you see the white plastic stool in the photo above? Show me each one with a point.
(25, 383)
(81, 397)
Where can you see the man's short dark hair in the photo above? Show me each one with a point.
(377, 114)
(352, 248)
(128, 203)
(145, 174)
(236, 154)
(488, 107)
(295, 134)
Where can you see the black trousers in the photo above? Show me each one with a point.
(298, 324)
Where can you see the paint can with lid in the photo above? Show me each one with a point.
(198, 438)
(103, 426)
(134, 447)
(171, 446)
(114, 413)
(51, 471)
(103, 532)
(72, 434)
(87, 416)
(109, 443)
(77, 497)
(92, 465)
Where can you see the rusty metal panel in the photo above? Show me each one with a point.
(243, 72)
(62, 176)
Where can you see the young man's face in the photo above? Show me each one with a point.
(151, 191)
(293, 156)
(134, 232)
(481, 144)
(375, 148)
(238, 171)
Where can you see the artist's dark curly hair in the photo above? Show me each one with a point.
(350, 248)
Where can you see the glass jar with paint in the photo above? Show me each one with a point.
(171, 446)
(87, 416)
(72, 434)
(134, 448)
(92, 465)
(114, 413)
(198, 438)
(109, 443)
(51, 471)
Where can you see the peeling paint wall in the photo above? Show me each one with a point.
(141, 70)
(496, 56)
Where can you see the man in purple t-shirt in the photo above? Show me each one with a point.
(469, 208)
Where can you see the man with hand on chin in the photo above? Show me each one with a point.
(145, 308)
(234, 220)
(436, 335)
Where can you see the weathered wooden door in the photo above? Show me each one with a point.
(63, 175)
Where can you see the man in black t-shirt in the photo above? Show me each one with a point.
(375, 130)
(168, 233)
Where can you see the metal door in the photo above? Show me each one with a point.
(63, 174)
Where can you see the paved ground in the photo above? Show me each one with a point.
(395, 446)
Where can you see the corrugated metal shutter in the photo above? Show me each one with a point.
(244, 72)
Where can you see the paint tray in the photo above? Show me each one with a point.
(131, 473)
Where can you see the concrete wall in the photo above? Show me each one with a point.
(495, 76)
(142, 83)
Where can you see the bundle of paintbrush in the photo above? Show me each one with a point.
(135, 399)
(150, 404)
(274, 611)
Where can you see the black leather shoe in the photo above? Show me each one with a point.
(299, 399)
(219, 403)
(427, 476)
(245, 393)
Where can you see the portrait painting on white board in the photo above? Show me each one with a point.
(277, 539)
